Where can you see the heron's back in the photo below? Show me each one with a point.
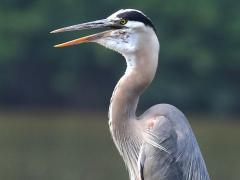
(182, 159)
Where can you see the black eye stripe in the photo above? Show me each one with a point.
(136, 16)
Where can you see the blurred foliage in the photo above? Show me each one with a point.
(199, 59)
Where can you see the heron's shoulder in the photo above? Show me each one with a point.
(166, 110)
(166, 116)
(170, 147)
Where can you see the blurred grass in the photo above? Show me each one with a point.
(66, 145)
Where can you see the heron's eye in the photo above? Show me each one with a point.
(123, 21)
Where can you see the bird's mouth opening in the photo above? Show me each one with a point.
(104, 23)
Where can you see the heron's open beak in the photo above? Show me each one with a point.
(89, 25)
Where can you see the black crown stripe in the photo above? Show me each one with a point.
(136, 16)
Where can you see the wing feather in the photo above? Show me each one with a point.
(169, 150)
(157, 157)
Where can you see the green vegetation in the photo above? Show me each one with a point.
(199, 59)
(70, 146)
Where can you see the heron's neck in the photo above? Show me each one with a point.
(139, 74)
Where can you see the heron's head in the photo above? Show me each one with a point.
(128, 31)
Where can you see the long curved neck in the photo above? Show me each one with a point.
(139, 74)
(125, 130)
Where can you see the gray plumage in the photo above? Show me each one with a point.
(182, 159)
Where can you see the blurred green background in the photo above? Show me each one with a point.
(54, 102)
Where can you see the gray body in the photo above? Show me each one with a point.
(159, 144)
(181, 159)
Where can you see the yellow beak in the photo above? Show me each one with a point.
(90, 25)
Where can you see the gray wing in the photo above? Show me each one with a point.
(170, 150)
(160, 163)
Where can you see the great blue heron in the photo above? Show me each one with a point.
(159, 144)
